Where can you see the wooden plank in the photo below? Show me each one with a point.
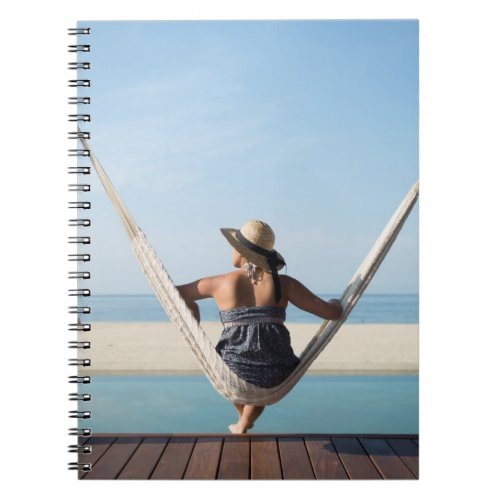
(167, 456)
(99, 447)
(256, 434)
(407, 451)
(354, 458)
(295, 462)
(145, 458)
(264, 458)
(174, 460)
(114, 459)
(325, 461)
(235, 459)
(386, 459)
(204, 460)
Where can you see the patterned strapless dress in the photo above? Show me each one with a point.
(255, 344)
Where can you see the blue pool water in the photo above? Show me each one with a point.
(370, 309)
(318, 404)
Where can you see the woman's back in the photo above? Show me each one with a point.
(234, 290)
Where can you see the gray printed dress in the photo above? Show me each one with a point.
(255, 344)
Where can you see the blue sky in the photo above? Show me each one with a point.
(311, 126)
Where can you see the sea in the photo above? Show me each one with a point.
(371, 308)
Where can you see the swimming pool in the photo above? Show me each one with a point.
(318, 404)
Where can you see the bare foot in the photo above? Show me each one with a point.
(239, 427)
(236, 429)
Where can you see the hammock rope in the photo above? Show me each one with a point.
(225, 381)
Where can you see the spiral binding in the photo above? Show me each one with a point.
(80, 241)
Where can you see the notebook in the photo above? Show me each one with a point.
(305, 132)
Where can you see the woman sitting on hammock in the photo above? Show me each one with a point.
(255, 344)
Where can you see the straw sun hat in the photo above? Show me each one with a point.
(255, 241)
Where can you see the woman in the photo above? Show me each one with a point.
(252, 300)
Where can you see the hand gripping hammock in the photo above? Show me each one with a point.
(226, 382)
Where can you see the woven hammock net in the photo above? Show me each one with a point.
(225, 381)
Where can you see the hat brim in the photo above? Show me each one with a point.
(255, 258)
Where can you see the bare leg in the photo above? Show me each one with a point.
(249, 416)
(239, 409)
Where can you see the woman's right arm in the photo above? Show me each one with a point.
(303, 298)
(197, 290)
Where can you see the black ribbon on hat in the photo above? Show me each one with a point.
(272, 259)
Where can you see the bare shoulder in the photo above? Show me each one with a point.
(289, 282)
(300, 296)
(292, 287)
(220, 280)
(225, 278)
(202, 288)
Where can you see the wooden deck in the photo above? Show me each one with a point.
(254, 456)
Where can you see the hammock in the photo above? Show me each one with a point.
(225, 381)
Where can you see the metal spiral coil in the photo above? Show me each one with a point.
(79, 309)
(79, 187)
(73, 344)
(79, 292)
(79, 135)
(79, 100)
(79, 48)
(80, 432)
(79, 327)
(80, 467)
(79, 170)
(79, 222)
(78, 152)
(79, 117)
(74, 379)
(80, 414)
(79, 65)
(74, 396)
(84, 275)
(80, 204)
(79, 362)
(79, 257)
(74, 448)
(79, 84)
(78, 31)
(83, 240)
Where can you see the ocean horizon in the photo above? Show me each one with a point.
(371, 308)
